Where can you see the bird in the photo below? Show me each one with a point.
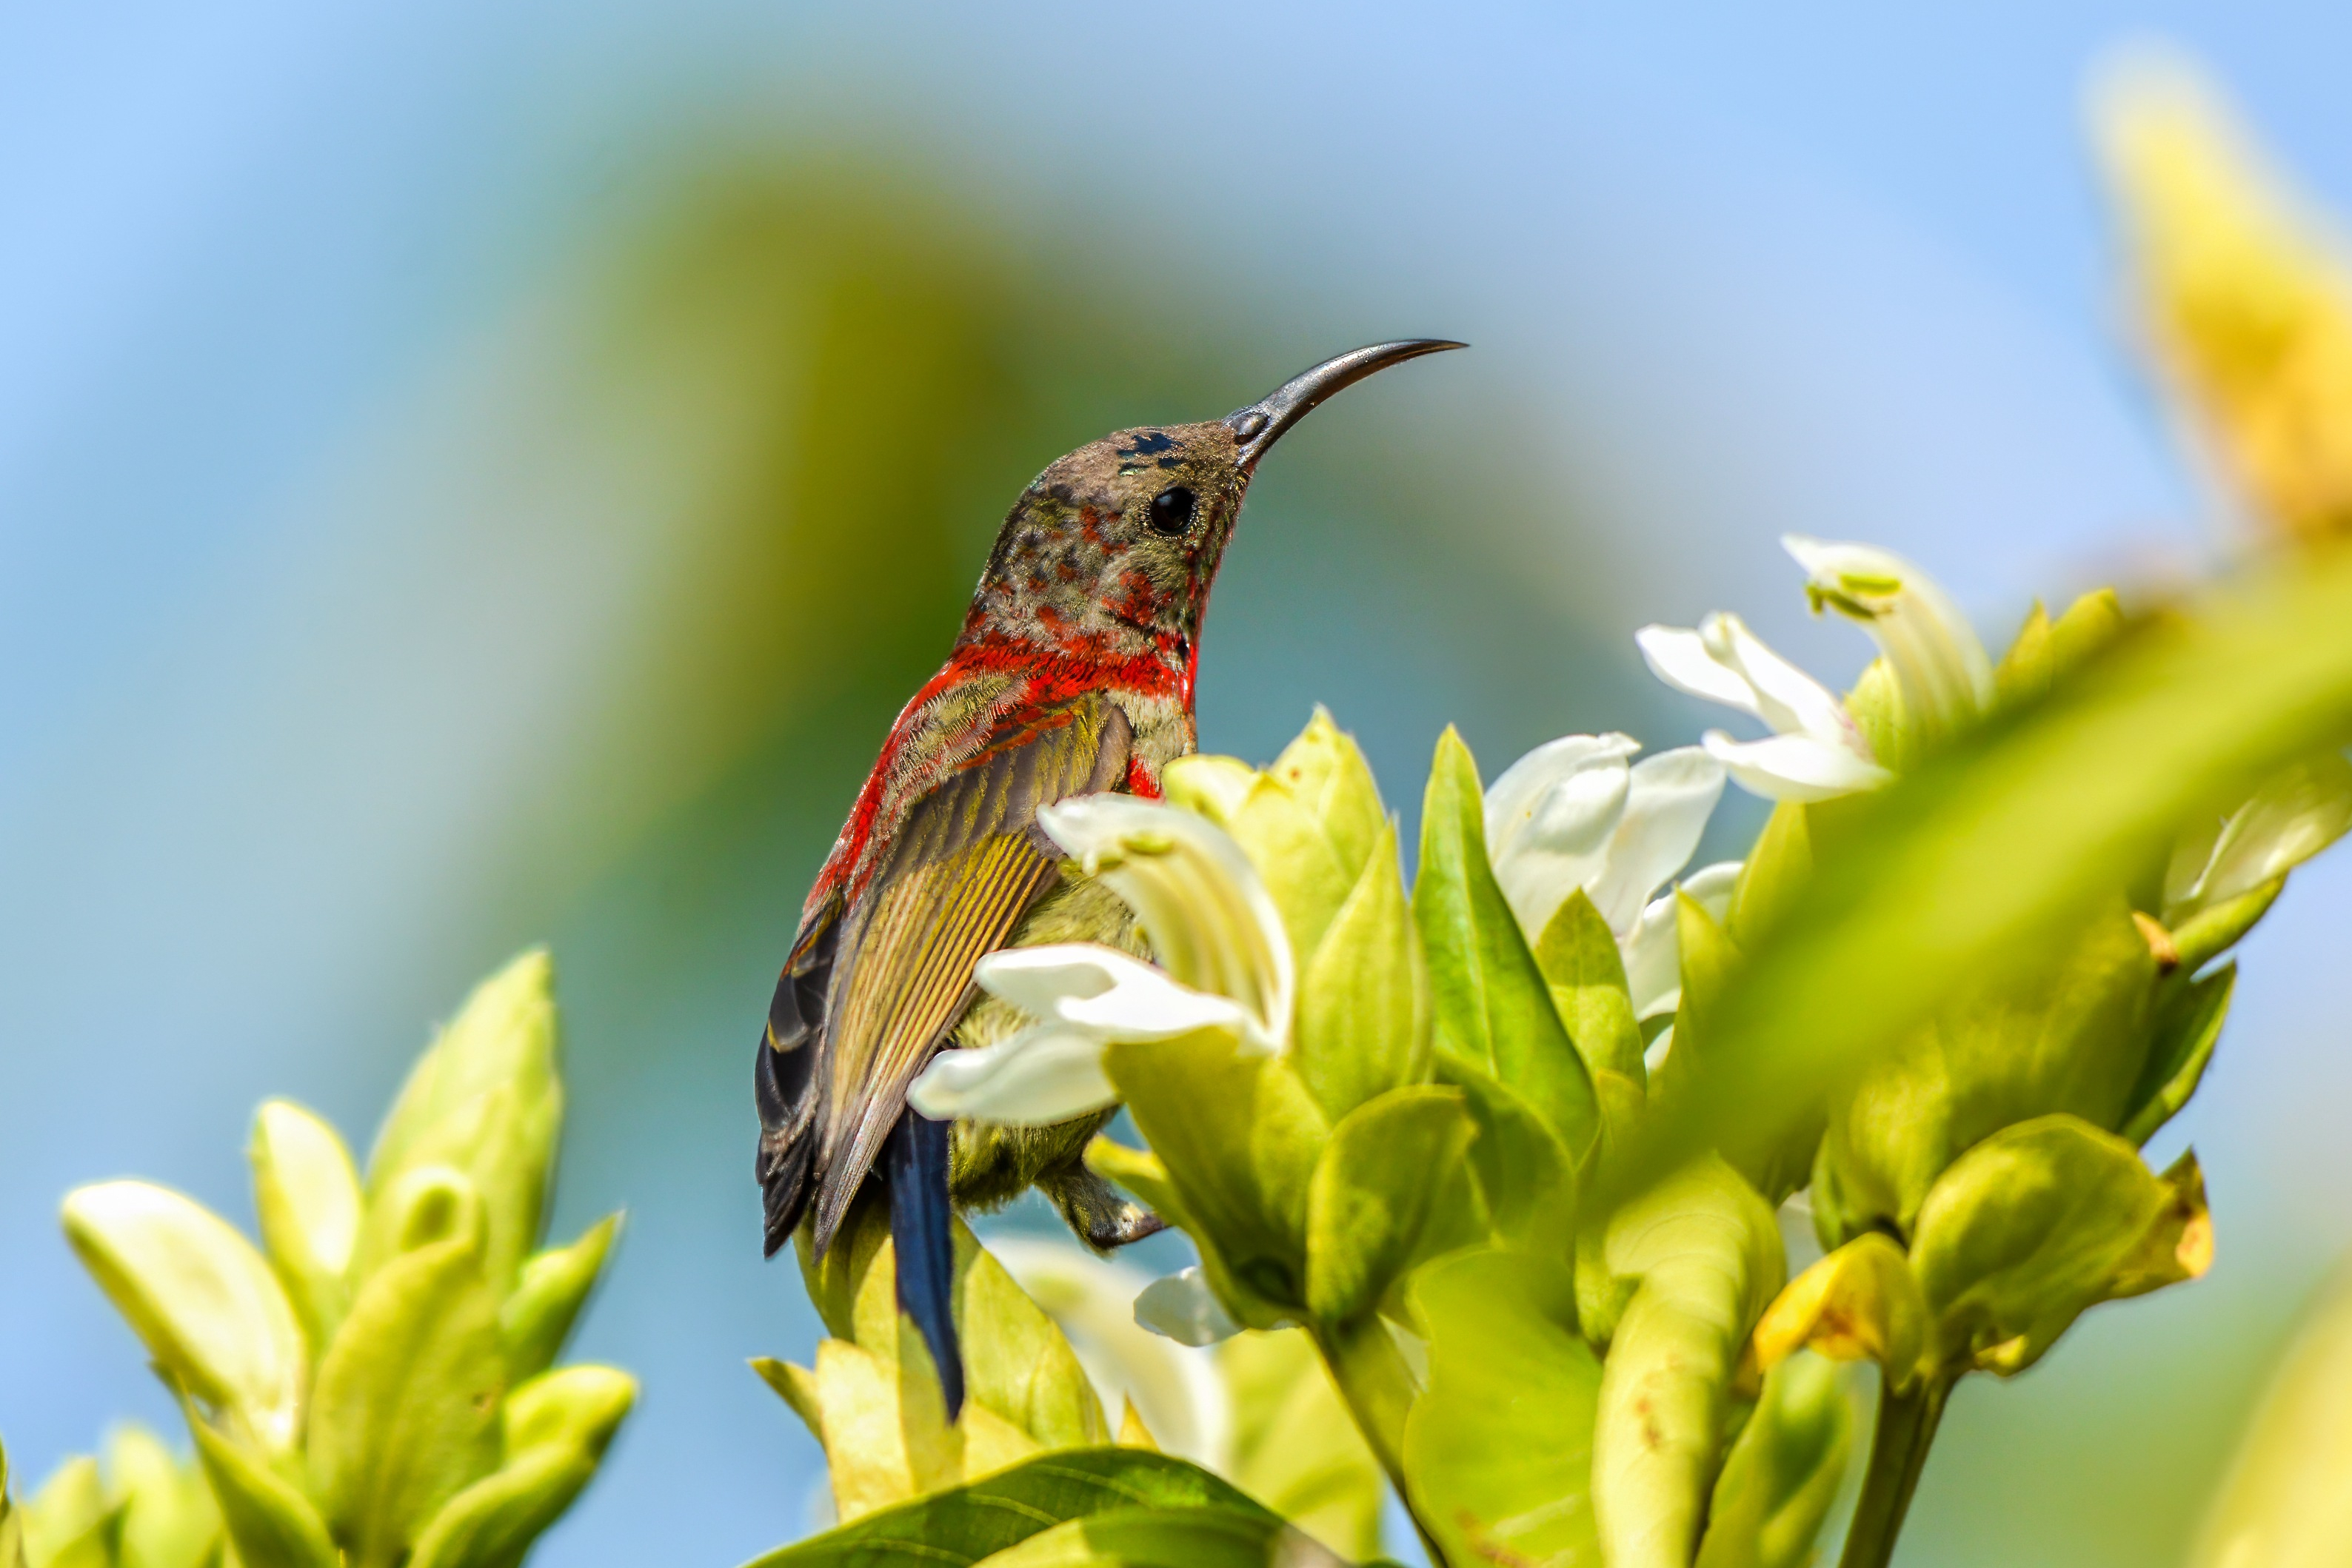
(1073, 675)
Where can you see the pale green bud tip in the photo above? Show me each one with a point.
(199, 1296)
(579, 1406)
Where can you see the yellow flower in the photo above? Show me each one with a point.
(2244, 293)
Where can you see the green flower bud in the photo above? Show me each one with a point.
(485, 1099)
(1705, 1255)
(2039, 1222)
(537, 1319)
(168, 1518)
(405, 1414)
(557, 1426)
(1389, 1191)
(1861, 1302)
(1783, 1471)
(307, 1197)
(1239, 1136)
(267, 1519)
(2076, 1040)
(70, 1522)
(200, 1298)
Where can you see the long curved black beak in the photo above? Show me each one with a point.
(1261, 424)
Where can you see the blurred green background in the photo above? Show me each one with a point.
(474, 475)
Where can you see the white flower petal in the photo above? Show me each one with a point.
(1212, 923)
(1653, 963)
(1938, 661)
(1652, 951)
(1549, 819)
(1794, 766)
(1710, 887)
(1680, 657)
(1514, 799)
(1786, 697)
(1103, 992)
(1666, 808)
(1048, 1073)
(1183, 1307)
(1182, 1397)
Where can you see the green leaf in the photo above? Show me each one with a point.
(2038, 1223)
(306, 1195)
(1498, 1450)
(557, 1429)
(1169, 1538)
(485, 1099)
(2210, 932)
(1706, 1255)
(1963, 876)
(966, 1523)
(1389, 1191)
(537, 1319)
(1489, 1004)
(268, 1521)
(1527, 1178)
(200, 1298)
(405, 1414)
(796, 1386)
(1240, 1136)
(2188, 1025)
(1579, 958)
(168, 1518)
(1295, 1446)
(70, 1522)
(1783, 1471)
(1363, 999)
(1774, 874)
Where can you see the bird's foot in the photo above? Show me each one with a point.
(1096, 1210)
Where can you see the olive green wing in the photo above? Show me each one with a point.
(966, 866)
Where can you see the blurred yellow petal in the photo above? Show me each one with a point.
(2244, 293)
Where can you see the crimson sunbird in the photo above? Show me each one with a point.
(1073, 675)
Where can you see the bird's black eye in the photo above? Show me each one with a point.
(1172, 511)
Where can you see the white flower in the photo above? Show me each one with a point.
(1178, 1391)
(1577, 813)
(1181, 1307)
(1943, 670)
(1816, 750)
(1224, 962)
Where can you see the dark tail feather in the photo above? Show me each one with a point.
(922, 1232)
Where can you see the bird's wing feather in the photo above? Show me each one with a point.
(964, 868)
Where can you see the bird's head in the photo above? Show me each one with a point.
(1110, 553)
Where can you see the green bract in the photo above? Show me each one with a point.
(373, 1393)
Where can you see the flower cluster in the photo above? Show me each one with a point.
(375, 1384)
